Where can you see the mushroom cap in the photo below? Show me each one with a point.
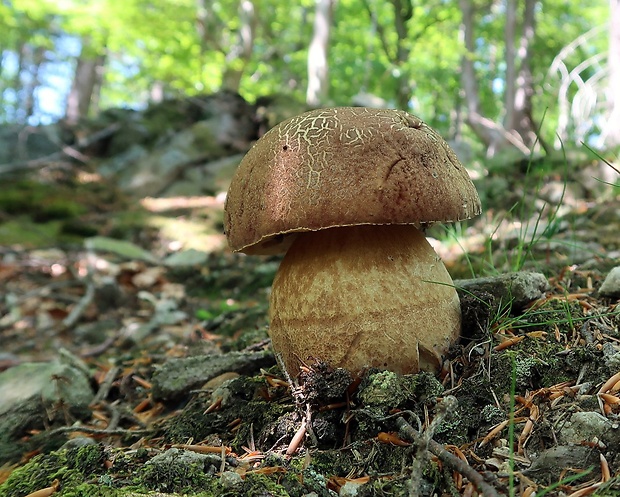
(344, 166)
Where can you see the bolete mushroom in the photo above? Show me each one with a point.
(344, 192)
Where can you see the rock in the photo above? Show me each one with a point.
(231, 480)
(219, 172)
(177, 377)
(122, 161)
(275, 108)
(519, 288)
(23, 143)
(38, 394)
(177, 470)
(213, 128)
(589, 426)
(611, 284)
(186, 258)
(552, 463)
(350, 489)
(150, 175)
(126, 250)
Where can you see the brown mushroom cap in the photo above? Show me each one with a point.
(341, 167)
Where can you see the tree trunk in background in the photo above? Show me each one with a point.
(85, 88)
(612, 129)
(215, 35)
(403, 11)
(239, 54)
(36, 56)
(518, 129)
(510, 58)
(483, 128)
(518, 119)
(318, 67)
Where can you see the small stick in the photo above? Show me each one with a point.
(448, 459)
(80, 308)
(296, 441)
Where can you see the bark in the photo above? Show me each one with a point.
(84, 94)
(318, 66)
(612, 128)
(17, 85)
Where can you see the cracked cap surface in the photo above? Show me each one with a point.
(344, 166)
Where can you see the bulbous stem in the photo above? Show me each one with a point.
(363, 296)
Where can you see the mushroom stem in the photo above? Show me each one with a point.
(364, 296)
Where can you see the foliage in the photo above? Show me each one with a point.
(183, 48)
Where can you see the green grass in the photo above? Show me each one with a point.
(536, 225)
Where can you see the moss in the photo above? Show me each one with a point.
(87, 459)
(492, 414)
(39, 473)
(193, 423)
(42, 202)
(394, 487)
(381, 388)
(467, 420)
(26, 233)
(98, 489)
(177, 476)
(556, 315)
(425, 386)
(78, 228)
(248, 399)
(259, 484)
(332, 462)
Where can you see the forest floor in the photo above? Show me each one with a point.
(186, 397)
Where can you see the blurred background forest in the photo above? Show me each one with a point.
(490, 75)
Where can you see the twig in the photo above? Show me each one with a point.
(106, 385)
(96, 431)
(447, 458)
(103, 346)
(78, 310)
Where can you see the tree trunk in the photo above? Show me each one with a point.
(85, 87)
(518, 119)
(494, 135)
(403, 11)
(240, 53)
(469, 80)
(611, 132)
(214, 33)
(28, 101)
(510, 58)
(318, 66)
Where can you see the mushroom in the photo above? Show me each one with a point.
(344, 193)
